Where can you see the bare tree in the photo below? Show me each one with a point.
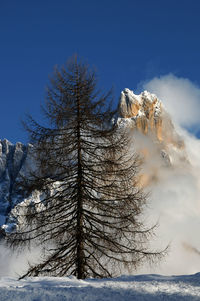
(89, 218)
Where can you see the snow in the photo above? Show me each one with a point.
(140, 113)
(131, 96)
(150, 96)
(128, 288)
(128, 97)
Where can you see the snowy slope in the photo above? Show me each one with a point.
(125, 288)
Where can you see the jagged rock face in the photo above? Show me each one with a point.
(145, 109)
(148, 116)
(12, 160)
(145, 114)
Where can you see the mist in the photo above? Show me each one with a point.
(175, 193)
(14, 263)
(180, 96)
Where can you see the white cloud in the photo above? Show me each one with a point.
(180, 96)
(174, 202)
(175, 198)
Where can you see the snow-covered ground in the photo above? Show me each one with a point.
(126, 288)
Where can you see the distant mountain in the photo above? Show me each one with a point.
(153, 132)
(15, 160)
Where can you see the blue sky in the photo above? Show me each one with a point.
(128, 43)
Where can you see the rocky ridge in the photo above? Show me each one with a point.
(14, 161)
(149, 116)
(153, 132)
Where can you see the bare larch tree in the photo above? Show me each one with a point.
(88, 217)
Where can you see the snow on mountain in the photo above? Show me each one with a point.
(146, 114)
(12, 158)
(15, 160)
(154, 135)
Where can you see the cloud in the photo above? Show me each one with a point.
(16, 263)
(175, 203)
(175, 197)
(180, 96)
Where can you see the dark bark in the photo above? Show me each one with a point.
(80, 232)
(89, 220)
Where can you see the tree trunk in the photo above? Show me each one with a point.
(80, 234)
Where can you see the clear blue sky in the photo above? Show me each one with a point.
(128, 41)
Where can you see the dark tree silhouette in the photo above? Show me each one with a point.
(89, 215)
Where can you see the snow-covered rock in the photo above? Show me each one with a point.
(14, 161)
(147, 114)
(153, 131)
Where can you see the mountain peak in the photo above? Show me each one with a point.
(144, 109)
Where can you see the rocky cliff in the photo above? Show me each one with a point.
(144, 109)
(149, 116)
(14, 161)
(153, 132)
